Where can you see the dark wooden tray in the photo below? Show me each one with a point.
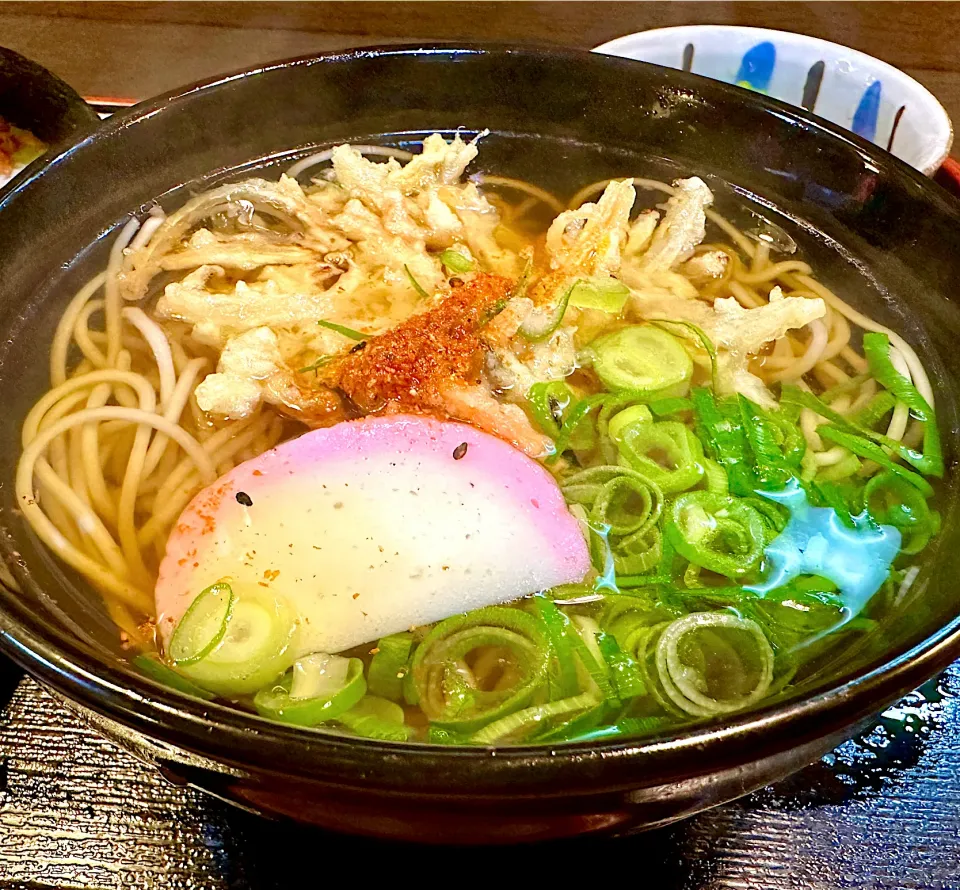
(882, 811)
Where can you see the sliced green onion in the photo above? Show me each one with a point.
(343, 329)
(846, 387)
(891, 500)
(624, 508)
(549, 401)
(637, 553)
(721, 533)
(705, 342)
(846, 467)
(930, 462)
(575, 728)
(318, 364)
(775, 516)
(715, 476)
(564, 592)
(623, 670)
(757, 448)
(563, 674)
(448, 691)
(870, 450)
(666, 407)
(318, 675)
(319, 688)
(591, 659)
(456, 262)
(415, 284)
(802, 611)
(605, 294)
(643, 359)
(713, 663)
(376, 718)
(761, 434)
(517, 726)
(722, 435)
(875, 410)
(389, 665)
(666, 453)
(643, 649)
(838, 497)
(613, 405)
(629, 416)
(630, 726)
(155, 669)
(253, 651)
(640, 608)
(574, 423)
(202, 626)
(626, 504)
(543, 321)
(437, 735)
(876, 347)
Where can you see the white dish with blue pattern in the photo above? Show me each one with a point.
(869, 97)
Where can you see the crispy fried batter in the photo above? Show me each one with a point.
(411, 365)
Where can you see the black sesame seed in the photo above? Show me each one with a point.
(460, 451)
(244, 498)
(358, 347)
(556, 411)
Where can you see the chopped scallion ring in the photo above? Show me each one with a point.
(202, 626)
(318, 688)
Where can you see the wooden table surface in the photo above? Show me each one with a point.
(880, 813)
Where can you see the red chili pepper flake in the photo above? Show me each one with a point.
(412, 363)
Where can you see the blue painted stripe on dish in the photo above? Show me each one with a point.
(865, 117)
(756, 67)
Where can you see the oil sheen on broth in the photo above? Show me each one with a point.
(418, 457)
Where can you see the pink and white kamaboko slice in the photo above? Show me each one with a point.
(371, 527)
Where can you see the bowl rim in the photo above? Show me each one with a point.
(77, 105)
(943, 133)
(135, 701)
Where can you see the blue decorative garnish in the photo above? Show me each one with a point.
(817, 542)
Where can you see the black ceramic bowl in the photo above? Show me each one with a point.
(874, 229)
(36, 100)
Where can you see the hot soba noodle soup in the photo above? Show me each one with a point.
(413, 456)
